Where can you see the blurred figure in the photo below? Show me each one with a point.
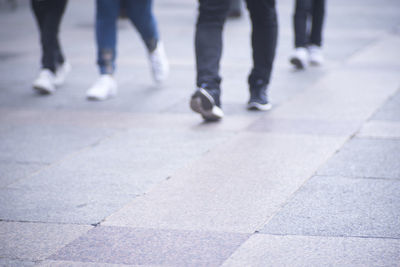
(235, 9)
(308, 40)
(208, 45)
(54, 69)
(141, 15)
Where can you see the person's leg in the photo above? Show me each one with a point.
(208, 48)
(318, 13)
(49, 14)
(208, 41)
(106, 34)
(141, 14)
(302, 13)
(107, 12)
(263, 38)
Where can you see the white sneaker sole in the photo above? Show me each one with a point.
(258, 106)
(203, 103)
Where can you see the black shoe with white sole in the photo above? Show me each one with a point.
(258, 98)
(206, 102)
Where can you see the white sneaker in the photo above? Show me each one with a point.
(45, 84)
(61, 73)
(105, 87)
(300, 58)
(316, 56)
(159, 63)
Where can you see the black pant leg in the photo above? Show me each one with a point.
(263, 38)
(302, 13)
(208, 41)
(318, 14)
(49, 14)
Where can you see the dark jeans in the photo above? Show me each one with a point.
(107, 12)
(208, 40)
(313, 10)
(48, 14)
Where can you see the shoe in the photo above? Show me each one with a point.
(159, 63)
(206, 102)
(315, 54)
(300, 58)
(45, 84)
(61, 73)
(105, 87)
(258, 98)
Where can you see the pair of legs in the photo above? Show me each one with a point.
(313, 11)
(107, 11)
(48, 15)
(308, 24)
(208, 45)
(140, 14)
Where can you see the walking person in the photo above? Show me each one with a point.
(208, 49)
(308, 40)
(141, 15)
(54, 67)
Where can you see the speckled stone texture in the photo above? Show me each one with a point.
(337, 206)
(119, 245)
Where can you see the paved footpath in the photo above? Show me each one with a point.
(140, 180)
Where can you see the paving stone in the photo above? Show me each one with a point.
(366, 158)
(210, 194)
(35, 241)
(268, 250)
(45, 143)
(380, 129)
(390, 111)
(15, 263)
(121, 245)
(384, 53)
(345, 94)
(337, 206)
(51, 263)
(304, 126)
(93, 184)
(13, 171)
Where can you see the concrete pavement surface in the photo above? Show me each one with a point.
(140, 180)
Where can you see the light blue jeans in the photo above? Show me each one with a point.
(107, 12)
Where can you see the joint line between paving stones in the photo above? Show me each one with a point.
(43, 222)
(332, 236)
(360, 177)
(70, 155)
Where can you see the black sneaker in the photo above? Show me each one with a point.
(258, 98)
(206, 102)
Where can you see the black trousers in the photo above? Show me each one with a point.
(48, 14)
(308, 11)
(208, 40)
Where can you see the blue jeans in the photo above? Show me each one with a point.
(107, 12)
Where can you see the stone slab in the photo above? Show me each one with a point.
(13, 171)
(390, 111)
(380, 129)
(93, 184)
(337, 206)
(45, 143)
(51, 263)
(304, 126)
(268, 250)
(4, 262)
(366, 158)
(119, 245)
(234, 188)
(36, 241)
(345, 94)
